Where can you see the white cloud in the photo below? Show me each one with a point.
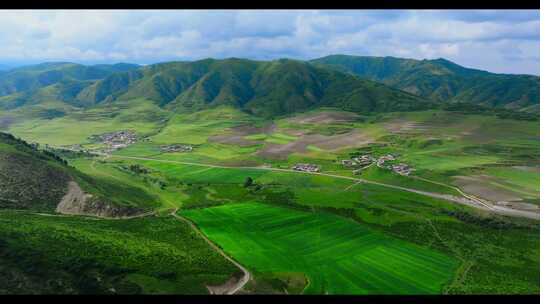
(501, 41)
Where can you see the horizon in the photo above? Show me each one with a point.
(21, 65)
(498, 41)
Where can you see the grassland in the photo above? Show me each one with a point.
(139, 115)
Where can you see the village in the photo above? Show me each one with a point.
(367, 160)
(176, 148)
(115, 140)
(306, 167)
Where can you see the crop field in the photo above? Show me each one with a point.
(337, 255)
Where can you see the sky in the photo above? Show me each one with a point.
(501, 41)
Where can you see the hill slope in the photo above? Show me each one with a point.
(441, 80)
(37, 180)
(262, 88)
(57, 81)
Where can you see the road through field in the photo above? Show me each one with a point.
(247, 275)
(464, 200)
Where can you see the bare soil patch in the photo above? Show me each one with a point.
(480, 186)
(6, 121)
(326, 117)
(250, 129)
(225, 287)
(528, 168)
(232, 139)
(236, 135)
(401, 126)
(352, 139)
(276, 151)
(520, 206)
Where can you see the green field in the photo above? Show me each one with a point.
(338, 256)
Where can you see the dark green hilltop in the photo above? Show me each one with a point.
(262, 88)
(51, 81)
(273, 88)
(443, 80)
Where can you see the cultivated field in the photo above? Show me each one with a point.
(338, 256)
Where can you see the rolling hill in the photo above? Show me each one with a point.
(265, 88)
(55, 81)
(262, 88)
(442, 80)
(40, 180)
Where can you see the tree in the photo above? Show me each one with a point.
(248, 182)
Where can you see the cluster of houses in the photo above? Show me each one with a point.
(115, 140)
(358, 161)
(306, 167)
(382, 159)
(176, 148)
(366, 160)
(402, 169)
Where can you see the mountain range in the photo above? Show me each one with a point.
(271, 88)
(442, 80)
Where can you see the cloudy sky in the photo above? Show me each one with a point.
(505, 41)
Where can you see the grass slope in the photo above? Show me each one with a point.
(441, 80)
(73, 255)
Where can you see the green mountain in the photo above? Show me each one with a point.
(40, 180)
(267, 88)
(262, 88)
(56, 81)
(441, 80)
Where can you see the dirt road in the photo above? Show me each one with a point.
(247, 275)
(465, 199)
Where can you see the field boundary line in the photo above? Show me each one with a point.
(247, 275)
(466, 199)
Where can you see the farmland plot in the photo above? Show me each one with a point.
(337, 255)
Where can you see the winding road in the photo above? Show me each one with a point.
(247, 275)
(465, 199)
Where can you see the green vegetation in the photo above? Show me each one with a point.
(338, 256)
(58, 254)
(295, 232)
(265, 89)
(441, 80)
(30, 179)
(37, 180)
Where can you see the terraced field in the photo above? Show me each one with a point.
(337, 255)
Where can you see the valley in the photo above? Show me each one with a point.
(218, 184)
